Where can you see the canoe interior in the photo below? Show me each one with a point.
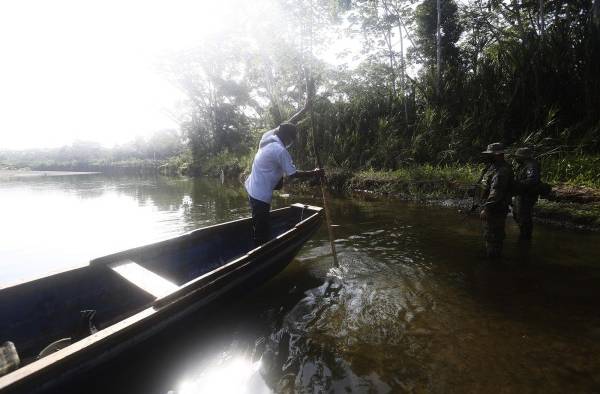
(37, 313)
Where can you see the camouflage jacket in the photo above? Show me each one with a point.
(496, 186)
(527, 178)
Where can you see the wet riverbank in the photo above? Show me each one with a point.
(568, 206)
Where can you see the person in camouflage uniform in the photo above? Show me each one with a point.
(496, 185)
(527, 181)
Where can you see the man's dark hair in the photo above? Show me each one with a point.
(287, 132)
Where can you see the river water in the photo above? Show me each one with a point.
(414, 306)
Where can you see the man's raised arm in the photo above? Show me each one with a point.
(296, 117)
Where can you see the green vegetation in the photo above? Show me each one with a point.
(524, 73)
(574, 176)
(572, 169)
(418, 182)
(456, 174)
(415, 182)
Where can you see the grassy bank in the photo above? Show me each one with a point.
(424, 183)
(418, 182)
(575, 201)
(572, 169)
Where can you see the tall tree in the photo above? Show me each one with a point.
(436, 42)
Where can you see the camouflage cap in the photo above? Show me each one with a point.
(495, 149)
(524, 152)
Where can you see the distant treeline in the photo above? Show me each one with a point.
(165, 151)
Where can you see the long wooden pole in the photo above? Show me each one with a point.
(323, 191)
(310, 92)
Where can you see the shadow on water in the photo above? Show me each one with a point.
(413, 307)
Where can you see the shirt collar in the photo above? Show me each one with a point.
(271, 139)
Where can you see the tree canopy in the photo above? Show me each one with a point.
(519, 72)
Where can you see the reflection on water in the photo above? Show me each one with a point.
(227, 376)
(56, 223)
(413, 306)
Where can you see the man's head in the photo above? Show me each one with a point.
(523, 154)
(494, 152)
(287, 133)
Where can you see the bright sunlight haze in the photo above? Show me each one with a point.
(75, 70)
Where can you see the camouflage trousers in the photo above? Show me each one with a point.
(494, 234)
(523, 215)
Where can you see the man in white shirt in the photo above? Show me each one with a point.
(271, 163)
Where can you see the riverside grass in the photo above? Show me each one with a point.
(434, 183)
(412, 182)
(453, 174)
(572, 169)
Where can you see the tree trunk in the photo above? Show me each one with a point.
(387, 35)
(402, 72)
(388, 40)
(541, 18)
(438, 48)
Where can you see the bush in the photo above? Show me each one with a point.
(572, 169)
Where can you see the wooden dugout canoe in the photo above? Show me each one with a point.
(138, 292)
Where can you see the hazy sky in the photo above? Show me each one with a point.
(87, 70)
(72, 69)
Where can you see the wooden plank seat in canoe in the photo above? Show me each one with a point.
(135, 293)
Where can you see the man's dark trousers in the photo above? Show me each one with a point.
(494, 233)
(523, 215)
(261, 226)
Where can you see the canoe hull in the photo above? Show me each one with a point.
(250, 271)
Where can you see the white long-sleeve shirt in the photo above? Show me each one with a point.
(271, 163)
